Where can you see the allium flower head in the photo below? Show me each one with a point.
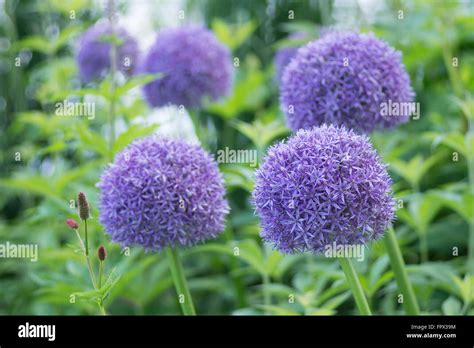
(194, 66)
(93, 54)
(162, 192)
(284, 55)
(322, 186)
(344, 79)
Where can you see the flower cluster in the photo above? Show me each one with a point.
(162, 192)
(322, 186)
(93, 54)
(194, 66)
(344, 79)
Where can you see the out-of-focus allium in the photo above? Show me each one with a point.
(94, 52)
(322, 186)
(173, 121)
(162, 192)
(284, 55)
(344, 79)
(194, 65)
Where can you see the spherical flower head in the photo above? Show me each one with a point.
(322, 186)
(345, 78)
(284, 55)
(162, 192)
(194, 64)
(93, 53)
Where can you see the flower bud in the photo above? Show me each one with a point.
(72, 224)
(101, 253)
(83, 205)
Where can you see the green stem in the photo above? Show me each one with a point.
(398, 266)
(267, 301)
(102, 309)
(89, 266)
(423, 247)
(470, 169)
(101, 271)
(113, 70)
(356, 288)
(86, 238)
(179, 279)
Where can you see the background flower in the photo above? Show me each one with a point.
(343, 79)
(194, 64)
(162, 192)
(284, 55)
(93, 52)
(174, 122)
(321, 186)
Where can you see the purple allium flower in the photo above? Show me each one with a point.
(162, 192)
(284, 55)
(93, 52)
(344, 79)
(194, 65)
(322, 186)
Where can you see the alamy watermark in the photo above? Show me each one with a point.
(80, 109)
(353, 251)
(19, 251)
(392, 108)
(227, 155)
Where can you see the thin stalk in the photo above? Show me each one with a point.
(267, 300)
(102, 309)
(113, 71)
(424, 247)
(101, 272)
(89, 266)
(470, 168)
(398, 266)
(180, 283)
(355, 286)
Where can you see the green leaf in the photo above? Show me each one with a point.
(134, 82)
(454, 140)
(275, 310)
(414, 170)
(134, 132)
(451, 306)
(260, 133)
(463, 204)
(421, 211)
(91, 140)
(238, 176)
(233, 35)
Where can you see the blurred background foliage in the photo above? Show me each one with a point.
(428, 161)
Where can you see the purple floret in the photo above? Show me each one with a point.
(194, 64)
(322, 186)
(284, 55)
(161, 192)
(93, 54)
(343, 79)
